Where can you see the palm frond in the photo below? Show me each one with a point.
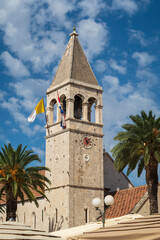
(19, 179)
(140, 166)
(157, 155)
(136, 144)
(137, 120)
(144, 115)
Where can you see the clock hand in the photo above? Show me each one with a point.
(87, 141)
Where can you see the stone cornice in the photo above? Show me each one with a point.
(76, 186)
(75, 131)
(74, 83)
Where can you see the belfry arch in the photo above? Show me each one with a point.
(78, 99)
(63, 103)
(52, 112)
(63, 106)
(92, 102)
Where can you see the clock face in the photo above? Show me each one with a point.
(87, 142)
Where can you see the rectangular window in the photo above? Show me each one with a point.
(86, 212)
(56, 215)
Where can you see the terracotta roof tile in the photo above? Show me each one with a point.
(125, 200)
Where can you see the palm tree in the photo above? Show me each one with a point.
(18, 180)
(139, 145)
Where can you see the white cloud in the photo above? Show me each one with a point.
(39, 151)
(15, 130)
(144, 59)
(3, 138)
(100, 65)
(148, 78)
(120, 101)
(14, 108)
(113, 82)
(91, 8)
(24, 24)
(144, 3)
(115, 66)
(129, 6)
(16, 19)
(135, 35)
(15, 66)
(59, 10)
(7, 122)
(114, 86)
(93, 36)
(30, 91)
(2, 94)
(27, 37)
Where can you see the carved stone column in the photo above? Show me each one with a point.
(49, 114)
(99, 114)
(58, 113)
(69, 108)
(85, 111)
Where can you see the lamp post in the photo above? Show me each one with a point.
(96, 202)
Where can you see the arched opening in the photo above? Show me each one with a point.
(54, 110)
(63, 103)
(91, 109)
(33, 220)
(77, 107)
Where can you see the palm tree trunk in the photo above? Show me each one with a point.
(11, 204)
(152, 184)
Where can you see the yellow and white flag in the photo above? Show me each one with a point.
(38, 109)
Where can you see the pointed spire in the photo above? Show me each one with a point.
(74, 64)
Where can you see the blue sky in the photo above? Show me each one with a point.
(121, 39)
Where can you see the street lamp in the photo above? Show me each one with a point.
(96, 202)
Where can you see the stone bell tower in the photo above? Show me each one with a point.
(75, 154)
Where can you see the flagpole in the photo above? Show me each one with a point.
(46, 118)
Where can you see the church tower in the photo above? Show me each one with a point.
(75, 154)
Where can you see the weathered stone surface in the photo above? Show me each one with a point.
(74, 65)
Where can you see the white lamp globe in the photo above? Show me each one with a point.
(96, 202)
(109, 200)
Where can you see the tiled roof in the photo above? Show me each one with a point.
(125, 200)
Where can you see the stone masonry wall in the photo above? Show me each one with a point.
(112, 179)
